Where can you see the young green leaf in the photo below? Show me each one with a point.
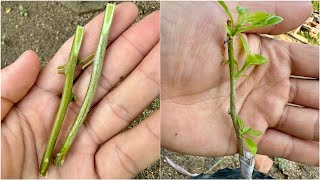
(255, 59)
(241, 10)
(257, 20)
(245, 44)
(252, 146)
(245, 130)
(251, 59)
(272, 20)
(254, 133)
(225, 7)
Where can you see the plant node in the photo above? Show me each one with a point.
(74, 98)
(62, 69)
(59, 160)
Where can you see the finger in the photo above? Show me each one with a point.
(278, 144)
(17, 79)
(122, 57)
(125, 155)
(49, 79)
(300, 122)
(304, 59)
(304, 92)
(293, 14)
(116, 110)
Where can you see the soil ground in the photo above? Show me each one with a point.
(45, 28)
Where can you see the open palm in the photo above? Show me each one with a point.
(195, 83)
(29, 103)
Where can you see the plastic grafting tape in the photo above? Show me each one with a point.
(247, 165)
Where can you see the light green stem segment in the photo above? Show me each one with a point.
(80, 61)
(233, 111)
(94, 80)
(67, 96)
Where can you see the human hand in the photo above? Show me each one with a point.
(29, 101)
(195, 83)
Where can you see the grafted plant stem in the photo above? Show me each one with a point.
(66, 98)
(233, 110)
(94, 80)
(246, 158)
(246, 21)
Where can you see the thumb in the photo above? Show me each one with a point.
(17, 79)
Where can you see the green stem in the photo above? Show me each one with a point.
(239, 73)
(233, 111)
(80, 61)
(87, 64)
(68, 70)
(94, 80)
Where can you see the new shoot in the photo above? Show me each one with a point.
(246, 21)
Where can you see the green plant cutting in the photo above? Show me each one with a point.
(68, 70)
(67, 97)
(93, 84)
(246, 21)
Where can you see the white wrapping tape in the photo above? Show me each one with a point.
(247, 165)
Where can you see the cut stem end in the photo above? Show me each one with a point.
(59, 160)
